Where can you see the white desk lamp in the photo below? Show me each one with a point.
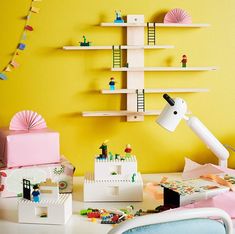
(172, 114)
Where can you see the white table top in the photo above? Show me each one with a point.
(77, 223)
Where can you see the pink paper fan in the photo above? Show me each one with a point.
(177, 15)
(27, 120)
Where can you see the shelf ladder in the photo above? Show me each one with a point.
(151, 33)
(140, 100)
(117, 56)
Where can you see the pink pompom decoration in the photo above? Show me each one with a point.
(27, 120)
(177, 15)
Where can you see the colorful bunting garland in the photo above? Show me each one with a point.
(21, 45)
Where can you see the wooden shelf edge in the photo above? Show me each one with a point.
(118, 113)
(124, 47)
(162, 90)
(163, 25)
(213, 68)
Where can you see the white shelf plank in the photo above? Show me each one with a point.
(119, 113)
(162, 90)
(122, 47)
(173, 25)
(164, 69)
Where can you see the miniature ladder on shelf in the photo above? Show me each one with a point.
(140, 100)
(117, 56)
(151, 33)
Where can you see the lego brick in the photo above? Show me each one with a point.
(112, 190)
(115, 169)
(46, 211)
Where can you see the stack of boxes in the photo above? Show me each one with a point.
(29, 150)
(114, 179)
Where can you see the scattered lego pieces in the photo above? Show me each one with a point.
(109, 216)
(117, 216)
(93, 220)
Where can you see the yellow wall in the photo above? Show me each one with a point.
(61, 84)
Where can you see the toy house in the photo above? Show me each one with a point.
(114, 179)
(51, 208)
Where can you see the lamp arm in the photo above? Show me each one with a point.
(209, 139)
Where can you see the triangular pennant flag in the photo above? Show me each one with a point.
(35, 9)
(23, 36)
(3, 76)
(28, 16)
(8, 69)
(14, 64)
(29, 28)
(21, 46)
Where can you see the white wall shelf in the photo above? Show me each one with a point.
(183, 69)
(162, 90)
(135, 69)
(122, 47)
(162, 25)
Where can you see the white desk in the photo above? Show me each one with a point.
(77, 224)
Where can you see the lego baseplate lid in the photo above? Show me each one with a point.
(186, 187)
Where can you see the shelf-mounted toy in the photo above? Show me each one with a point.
(85, 42)
(112, 83)
(118, 17)
(184, 61)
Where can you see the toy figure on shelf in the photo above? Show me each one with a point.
(104, 149)
(36, 193)
(85, 42)
(112, 84)
(128, 150)
(184, 60)
(118, 17)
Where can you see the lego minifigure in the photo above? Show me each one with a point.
(112, 84)
(104, 149)
(128, 150)
(118, 17)
(184, 61)
(36, 193)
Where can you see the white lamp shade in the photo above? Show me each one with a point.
(172, 115)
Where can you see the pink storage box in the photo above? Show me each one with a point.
(11, 179)
(23, 148)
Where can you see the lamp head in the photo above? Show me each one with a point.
(172, 114)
